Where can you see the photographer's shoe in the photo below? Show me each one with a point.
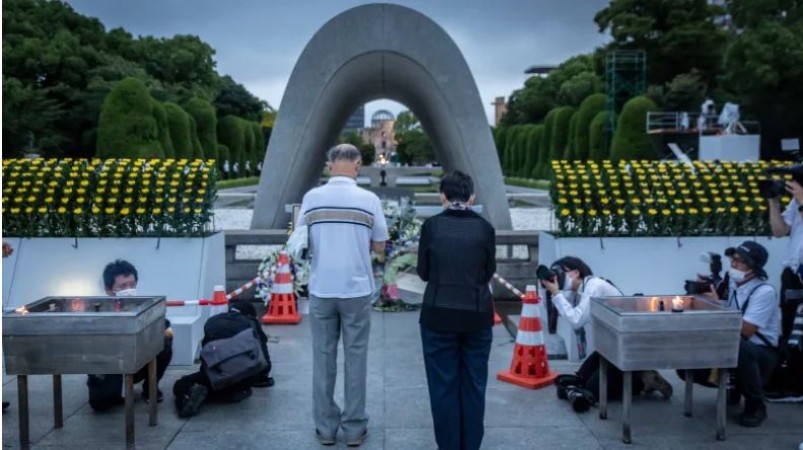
(568, 379)
(753, 416)
(192, 401)
(653, 381)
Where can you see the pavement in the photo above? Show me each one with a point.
(280, 417)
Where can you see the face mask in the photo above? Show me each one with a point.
(736, 275)
(567, 283)
(131, 292)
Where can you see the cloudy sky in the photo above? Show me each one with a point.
(259, 41)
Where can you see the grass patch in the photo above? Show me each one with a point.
(528, 183)
(237, 182)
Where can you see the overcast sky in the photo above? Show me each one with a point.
(259, 41)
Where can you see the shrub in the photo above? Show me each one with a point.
(179, 123)
(160, 115)
(126, 126)
(206, 122)
(591, 106)
(599, 147)
(631, 141)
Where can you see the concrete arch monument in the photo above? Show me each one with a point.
(366, 53)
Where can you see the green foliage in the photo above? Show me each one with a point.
(178, 121)
(591, 106)
(160, 115)
(249, 146)
(259, 144)
(571, 152)
(235, 100)
(206, 122)
(368, 153)
(239, 182)
(197, 148)
(127, 128)
(412, 144)
(677, 35)
(598, 146)
(499, 134)
(59, 66)
(630, 141)
(531, 146)
(230, 133)
(542, 169)
(511, 142)
(560, 132)
(223, 157)
(528, 183)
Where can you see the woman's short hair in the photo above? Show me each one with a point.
(457, 186)
(574, 263)
(343, 152)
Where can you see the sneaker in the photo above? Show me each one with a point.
(193, 400)
(753, 417)
(263, 381)
(784, 397)
(159, 396)
(356, 442)
(324, 440)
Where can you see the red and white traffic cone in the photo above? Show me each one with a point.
(282, 307)
(530, 365)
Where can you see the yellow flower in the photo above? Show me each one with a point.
(748, 209)
(15, 210)
(109, 210)
(42, 210)
(666, 212)
(157, 210)
(62, 210)
(28, 210)
(734, 209)
(592, 212)
(635, 211)
(95, 210)
(124, 211)
(680, 212)
(186, 210)
(579, 211)
(171, 209)
(77, 211)
(140, 211)
(197, 210)
(127, 200)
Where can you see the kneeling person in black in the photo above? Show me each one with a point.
(195, 389)
(120, 280)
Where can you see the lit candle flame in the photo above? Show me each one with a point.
(21, 310)
(77, 305)
(677, 303)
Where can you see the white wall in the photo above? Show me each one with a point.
(731, 147)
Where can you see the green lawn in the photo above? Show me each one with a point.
(528, 183)
(237, 182)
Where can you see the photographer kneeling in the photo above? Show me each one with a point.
(761, 328)
(572, 285)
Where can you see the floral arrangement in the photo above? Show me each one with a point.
(400, 253)
(267, 270)
(653, 198)
(107, 198)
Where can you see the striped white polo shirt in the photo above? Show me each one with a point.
(343, 219)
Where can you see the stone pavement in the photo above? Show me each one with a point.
(280, 417)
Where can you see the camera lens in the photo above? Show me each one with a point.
(581, 399)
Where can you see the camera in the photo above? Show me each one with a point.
(580, 398)
(704, 284)
(770, 188)
(553, 274)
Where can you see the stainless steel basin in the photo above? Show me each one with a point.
(634, 334)
(93, 335)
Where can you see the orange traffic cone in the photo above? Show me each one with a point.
(530, 366)
(282, 307)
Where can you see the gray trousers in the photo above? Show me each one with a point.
(328, 318)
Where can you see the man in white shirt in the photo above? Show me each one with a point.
(761, 326)
(789, 223)
(345, 223)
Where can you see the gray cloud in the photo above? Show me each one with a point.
(258, 41)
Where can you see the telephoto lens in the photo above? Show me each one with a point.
(580, 398)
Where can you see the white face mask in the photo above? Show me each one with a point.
(131, 292)
(737, 275)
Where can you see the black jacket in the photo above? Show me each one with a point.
(457, 256)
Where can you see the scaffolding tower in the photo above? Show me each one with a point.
(625, 78)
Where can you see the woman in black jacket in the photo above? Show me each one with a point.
(457, 256)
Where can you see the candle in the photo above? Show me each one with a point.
(677, 304)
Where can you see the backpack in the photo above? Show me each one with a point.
(231, 360)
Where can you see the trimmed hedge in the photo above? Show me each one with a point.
(223, 156)
(197, 148)
(206, 122)
(630, 141)
(127, 127)
(591, 106)
(560, 132)
(230, 133)
(571, 151)
(533, 141)
(599, 149)
(259, 145)
(542, 170)
(180, 133)
(160, 115)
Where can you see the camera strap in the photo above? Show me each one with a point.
(743, 308)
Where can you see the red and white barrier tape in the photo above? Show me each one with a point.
(241, 289)
(507, 284)
(203, 302)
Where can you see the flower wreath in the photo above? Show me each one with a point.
(267, 271)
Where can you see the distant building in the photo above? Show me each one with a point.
(500, 108)
(356, 121)
(539, 71)
(381, 133)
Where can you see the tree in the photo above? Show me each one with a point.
(764, 66)
(571, 153)
(510, 156)
(160, 115)
(685, 92)
(542, 170)
(531, 146)
(206, 121)
(560, 132)
(412, 144)
(235, 100)
(259, 144)
(126, 128)
(178, 122)
(500, 133)
(630, 141)
(197, 148)
(677, 35)
(230, 133)
(591, 106)
(598, 148)
(223, 158)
